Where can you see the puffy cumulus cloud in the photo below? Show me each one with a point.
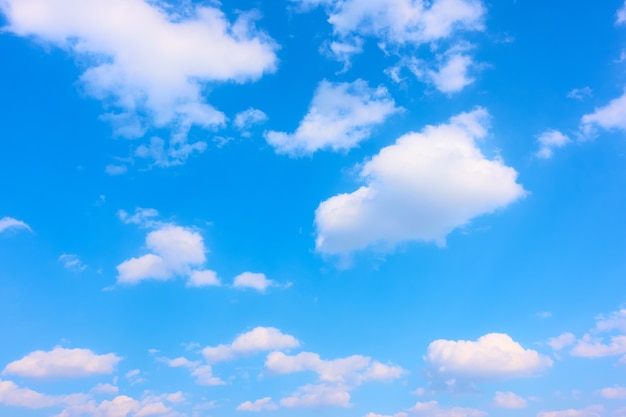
(433, 409)
(400, 22)
(252, 280)
(593, 411)
(616, 320)
(9, 223)
(264, 404)
(62, 363)
(508, 400)
(148, 62)
(340, 116)
(549, 141)
(204, 376)
(13, 395)
(493, 356)
(610, 117)
(72, 262)
(175, 251)
(319, 395)
(419, 189)
(349, 371)
(562, 341)
(256, 340)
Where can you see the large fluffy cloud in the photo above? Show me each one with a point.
(63, 363)
(419, 189)
(340, 116)
(256, 340)
(149, 62)
(493, 356)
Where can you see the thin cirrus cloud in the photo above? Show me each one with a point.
(340, 116)
(62, 363)
(420, 189)
(494, 356)
(150, 66)
(9, 223)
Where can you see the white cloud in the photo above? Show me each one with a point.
(8, 223)
(72, 262)
(544, 314)
(248, 118)
(204, 376)
(142, 216)
(615, 321)
(120, 406)
(591, 347)
(12, 395)
(610, 117)
(144, 59)
(400, 414)
(63, 363)
(349, 371)
(508, 400)
(107, 389)
(398, 22)
(206, 278)
(549, 141)
(621, 15)
(562, 341)
(115, 169)
(419, 189)
(264, 404)
(340, 116)
(433, 409)
(256, 340)
(175, 251)
(320, 395)
(580, 93)
(493, 356)
(253, 280)
(614, 393)
(449, 75)
(593, 411)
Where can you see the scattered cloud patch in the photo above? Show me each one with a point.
(340, 116)
(264, 404)
(593, 411)
(255, 281)
(15, 396)
(115, 169)
(248, 119)
(614, 393)
(206, 278)
(419, 189)
(72, 262)
(606, 338)
(580, 93)
(62, 363)
(256, 340)
(9, 223)
(508, 400)
(610, 117)
(320, 395)
(142, 216)
(549, 141)
(621, 15)
(562, 341)
(433, 409)
(105, 389)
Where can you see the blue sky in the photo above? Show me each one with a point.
(392, 208)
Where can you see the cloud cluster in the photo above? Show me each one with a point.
(340, 116)
(607, 338)
(419, 189)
